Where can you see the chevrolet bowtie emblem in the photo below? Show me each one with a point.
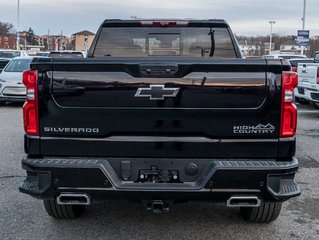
(156, 92)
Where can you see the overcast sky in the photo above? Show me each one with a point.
(246, 17)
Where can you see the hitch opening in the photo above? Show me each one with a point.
(157, 206)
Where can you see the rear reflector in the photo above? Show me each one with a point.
(30, 107)
(288, 122)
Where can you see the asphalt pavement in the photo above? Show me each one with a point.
(22, 217)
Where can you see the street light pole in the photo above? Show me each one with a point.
(48, 40)
(303, 21)
(270, 40)
(18, 26)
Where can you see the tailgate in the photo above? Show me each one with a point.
(307, 73)
(137, 108)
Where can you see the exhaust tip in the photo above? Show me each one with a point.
(73, 199)
(243, 201)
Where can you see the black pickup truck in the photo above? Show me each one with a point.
(161, 111)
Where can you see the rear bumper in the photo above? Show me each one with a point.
(214, 179)
(309, 94)
(12, 93)
(12, 99)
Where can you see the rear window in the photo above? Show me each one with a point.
(18, 65)
(9, 54)
(268, 57)
(152, 41)
(295, 63)
(289, 56)
(42, 54)
(66, 55)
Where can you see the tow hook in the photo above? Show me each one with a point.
(157, 206)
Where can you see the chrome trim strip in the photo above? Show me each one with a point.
(33, 137)
(202, 190)
(248, 140)
(236, 190)
(160, 139)
(287, 139)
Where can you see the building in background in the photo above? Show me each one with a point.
(8, 42)
(55, 42)
(82, 40)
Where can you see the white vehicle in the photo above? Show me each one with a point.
(9, 54)
(67, 54)
(283, 56)
(308, 81)
(295, 61)
(11, 86)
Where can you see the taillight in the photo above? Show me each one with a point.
(30, 107)
(164, 23)
(288, 109)
(294, 69)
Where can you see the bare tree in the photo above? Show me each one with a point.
(6, 28)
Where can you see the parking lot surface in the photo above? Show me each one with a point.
(22, 217)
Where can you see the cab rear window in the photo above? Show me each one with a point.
(66, 55)
(9, 54)
(174, 41)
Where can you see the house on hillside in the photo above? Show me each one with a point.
(82, 40)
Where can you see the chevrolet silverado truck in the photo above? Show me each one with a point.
(161, 111)
(308, 86)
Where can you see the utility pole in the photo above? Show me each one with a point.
(48, 40)
(86, 43)
(61, 48)
(18, 26)
(270, 40)
(303, 21)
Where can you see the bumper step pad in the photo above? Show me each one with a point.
(35, 184)
(283, 187)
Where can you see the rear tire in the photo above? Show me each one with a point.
(266, 213)
(58, 211)
(316, 105)
(2, 103)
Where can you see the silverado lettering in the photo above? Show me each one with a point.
(71, 130)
